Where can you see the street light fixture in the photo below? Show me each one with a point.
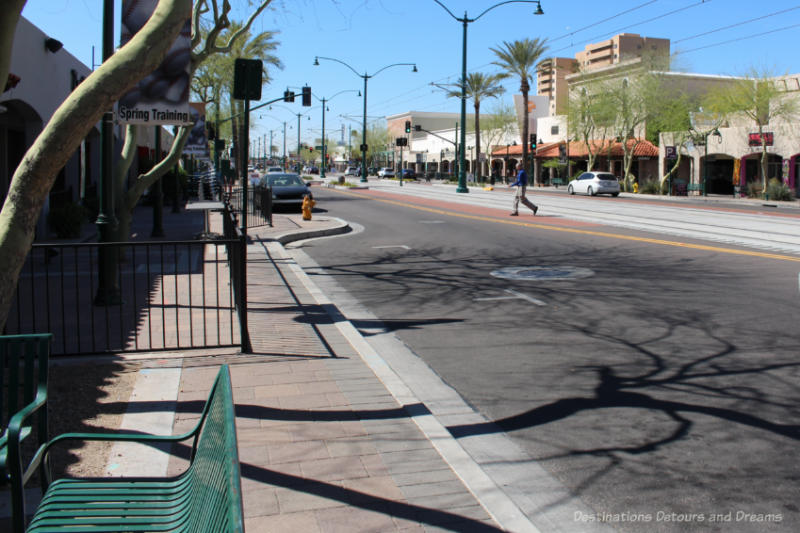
(365, 76)
(462, 177)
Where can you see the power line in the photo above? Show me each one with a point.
(602, 21)
(735, 25)
(701, 2)
(740, 39)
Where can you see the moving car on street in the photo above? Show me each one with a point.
(593, 183)
(386, 172)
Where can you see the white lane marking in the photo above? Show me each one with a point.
(403, 246)
(531, 299)
(431, 221)
(514, 296)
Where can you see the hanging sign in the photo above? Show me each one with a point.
(161, 97)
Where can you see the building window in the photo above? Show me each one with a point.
(554, 130)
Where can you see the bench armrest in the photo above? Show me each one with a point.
(14, 437)
(143, 438)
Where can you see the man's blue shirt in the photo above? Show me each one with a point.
(522, 178)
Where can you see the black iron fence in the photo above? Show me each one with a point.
(259, 205)
(168, 296)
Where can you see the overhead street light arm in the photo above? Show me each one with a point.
(467, 20)
(451, 13)
(537, 2)
(395, 65)
(259, 106)
(317, 58)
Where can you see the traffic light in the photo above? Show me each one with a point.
(288, 96)
(408, 126)
(533, 141)
(306, 96)
(310, 149)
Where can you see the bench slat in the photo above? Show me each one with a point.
(207, 497)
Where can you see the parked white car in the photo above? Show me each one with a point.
(593, 183)
(386, 172)
(351, 171)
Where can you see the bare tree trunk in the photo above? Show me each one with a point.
(71, 122)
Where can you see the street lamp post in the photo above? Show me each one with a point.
(299, 116)
(365, 76)
(462, 177)
(324, 108)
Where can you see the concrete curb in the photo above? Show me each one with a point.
(342, 226)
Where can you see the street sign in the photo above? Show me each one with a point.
(318, 147)
(247, 79)
(671, 152)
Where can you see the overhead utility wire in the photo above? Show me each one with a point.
(638, 23)
(602, 21)
(738, 39)
(447, 78)
(735, 25)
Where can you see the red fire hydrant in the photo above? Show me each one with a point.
(308, 203)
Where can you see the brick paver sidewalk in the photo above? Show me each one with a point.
(323, 445)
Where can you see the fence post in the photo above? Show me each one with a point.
(266, 204)
(242, 296)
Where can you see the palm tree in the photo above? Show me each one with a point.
(478, 87)
(519, 59)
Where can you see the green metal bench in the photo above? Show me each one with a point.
(206, 497)
(23, 411)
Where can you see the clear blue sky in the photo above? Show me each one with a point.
(726, 37)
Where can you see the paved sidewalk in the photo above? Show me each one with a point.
(323, 445)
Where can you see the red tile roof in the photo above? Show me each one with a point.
(577, 149)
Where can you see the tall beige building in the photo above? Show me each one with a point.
(551, 81)
(552, 72)
(620, 48)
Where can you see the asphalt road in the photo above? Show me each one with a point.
(659, 383)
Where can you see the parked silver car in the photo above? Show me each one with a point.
(386, 172)
(593, 183)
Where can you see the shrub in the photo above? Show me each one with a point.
(66, 220)
(650, 187)
(754, 190)
(777, 190)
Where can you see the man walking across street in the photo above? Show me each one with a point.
(522, 185)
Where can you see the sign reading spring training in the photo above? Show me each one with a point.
(161, 97)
